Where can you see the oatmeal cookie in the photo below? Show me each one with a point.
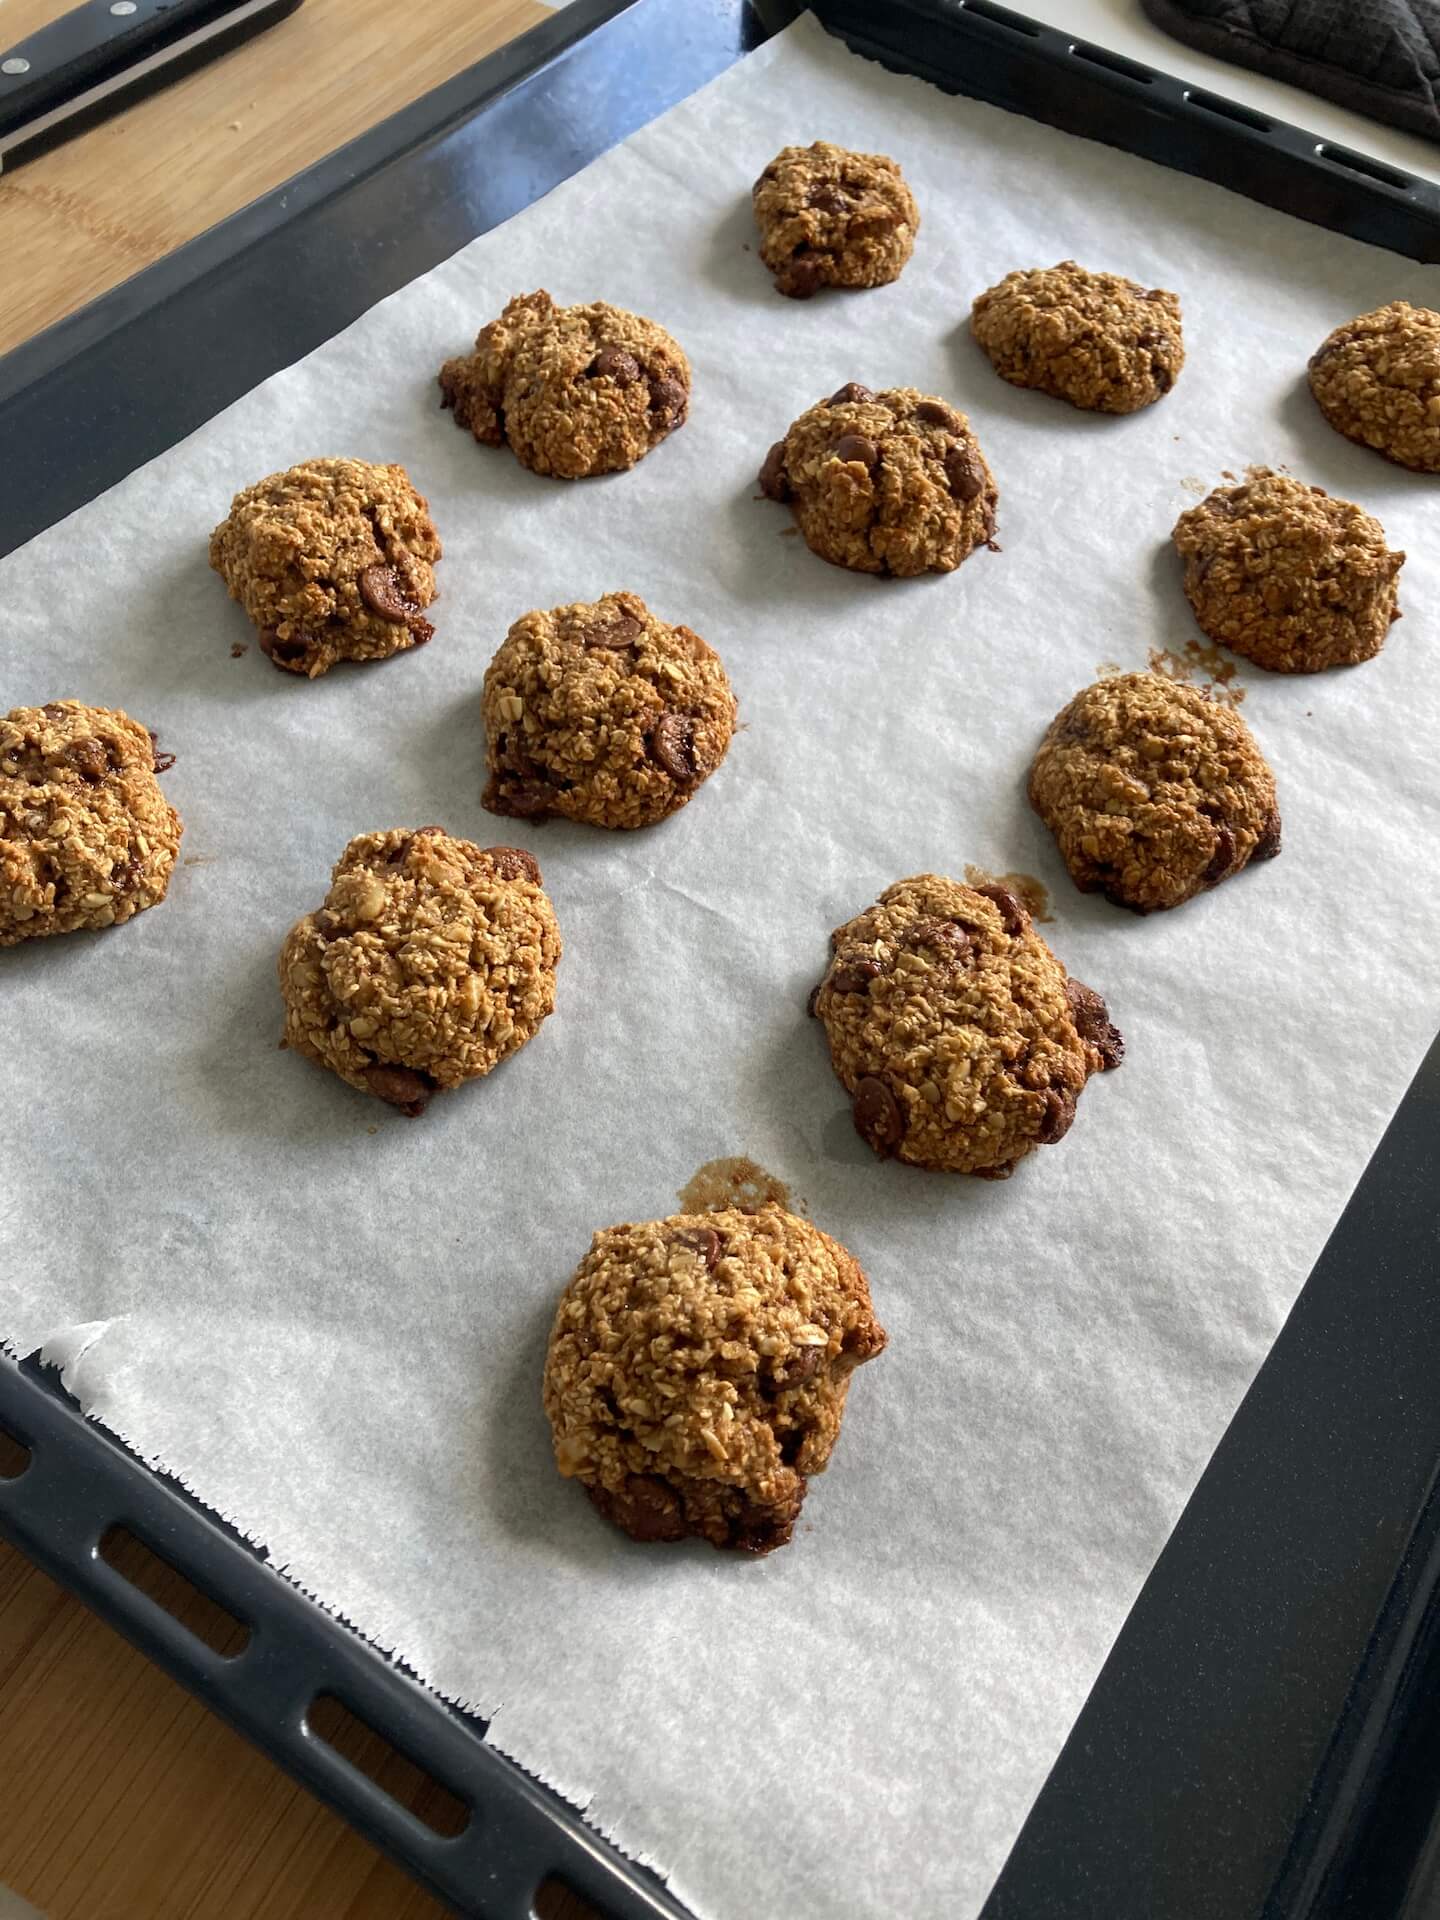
(87, 839)
(1377, 380)
(572, 391)
(1287, 575)
(955, 1030)
(832, 218)
(891, 482)
(333, 560)
(431, 961)
(1095, 339)
(1153, 791)
(603, 713)
(698, 1368)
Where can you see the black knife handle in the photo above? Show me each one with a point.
(95, 59)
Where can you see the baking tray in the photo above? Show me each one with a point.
(1256, 1747)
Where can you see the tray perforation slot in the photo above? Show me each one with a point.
(1362, 163)
(162, 1583)
(555, 1899)
(1114, 63)
(412, 1788)
(1228, 110)
(15, 1456)
(1002, 17)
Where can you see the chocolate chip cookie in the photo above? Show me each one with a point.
(1377, 381)
(955, 1030)
(87, 839)
(1153, 791)
(891, 482)
(431, 961)
(697, 1372)
(333, 560)
(572, 391)
(1286, 574)
(1095, 339)
(832, 218)
(603, 713)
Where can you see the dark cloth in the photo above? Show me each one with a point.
(1381, 57)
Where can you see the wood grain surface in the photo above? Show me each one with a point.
(76, 221)
(121, 1797)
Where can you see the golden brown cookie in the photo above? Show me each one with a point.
(332, 560)
(603, 713)
(955, 1030)
(832, 218)
(1153, 791)
(1095, 339)
(1377, 381)
(87, 839)
(698, 1368)
(891, 482)
(431, 961)
(1286, 574)
(572, 391)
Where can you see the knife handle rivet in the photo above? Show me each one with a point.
(123, 6)
(18, 66)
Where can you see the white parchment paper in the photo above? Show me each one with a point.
(330, 1320)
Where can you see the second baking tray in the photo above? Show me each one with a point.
(1231, 1759)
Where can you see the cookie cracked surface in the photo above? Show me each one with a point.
(1287, 574)
(431, 961)
(333, 560)
(1100, 341)
(603, 713)
(957, 1033)
(890, 482)
(1376, 379)
(832, 218)
(1154, 793)
(87, 839)
(572, 391)
(697, 1372)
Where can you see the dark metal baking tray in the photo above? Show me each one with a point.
(1255, 1748)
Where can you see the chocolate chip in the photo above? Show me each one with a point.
(672, 748)
(803, 1364)
(965, 473)
(936, 414)
(668, 398)
(947, 938)
(1092, 1023)
(1143, 340)
(513, 863)
(525, 799)
(328, 925)
(1013, 914)
(854, 975)
(162, 761)
(758, 1530)
(385, 594)
(89, 759)
(812, 997)
(802, 274)
(283, 652)
(1268, 845)
(125, 875)
(702, 1240)
(878, 1119)
(614, 363)
(851, 393)
(647, 1509)
(828, 199)
(854, 446)
(1059, 1113)
(401, 1087)
(620, 633)
(773, 483)
(1162, 376)
(1222, 860)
